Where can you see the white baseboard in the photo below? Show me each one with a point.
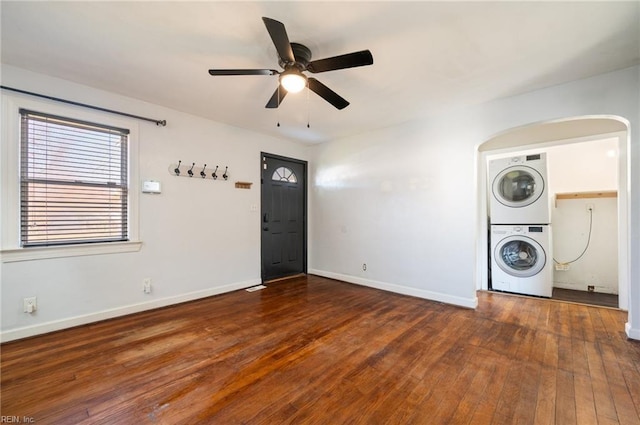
(631, 333)
(56, 325)
(400, 289)
(581, 287)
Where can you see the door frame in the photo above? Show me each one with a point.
(305, 214)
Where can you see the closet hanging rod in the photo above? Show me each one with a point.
(71, 102)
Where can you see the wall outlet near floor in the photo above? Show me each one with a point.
(30, 304)
(562, 267)
(590, 288)
(146, 285)
(364, 267)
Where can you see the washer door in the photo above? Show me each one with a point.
(520, 256)
(518, 186)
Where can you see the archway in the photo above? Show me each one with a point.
(548, 134)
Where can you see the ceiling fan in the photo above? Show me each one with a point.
(295, 58)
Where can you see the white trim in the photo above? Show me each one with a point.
(631, 333)
(57, 325)
(580, 287)
(43, 253)
(400, 289)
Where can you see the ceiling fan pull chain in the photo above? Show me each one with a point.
(278, 107)
(308, 108)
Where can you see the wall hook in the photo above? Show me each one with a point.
(214, 175)
(225, 175)
(177, 169)
(190, 172)
(202, 173)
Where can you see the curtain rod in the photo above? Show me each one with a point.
(57, 99)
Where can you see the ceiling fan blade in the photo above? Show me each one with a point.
(217, 72)
(277, 97)
(280, 39)
(350, 60)
(327, 94)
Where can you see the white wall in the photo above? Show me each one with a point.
(398, 200)
(405, 200)
(598, 266)
(585, 167)
(198, 237)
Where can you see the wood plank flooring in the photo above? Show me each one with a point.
(317, 351)
(585, 297)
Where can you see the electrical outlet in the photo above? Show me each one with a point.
(562, 267)
(364, 267)
(146, 285)
(30, 304)
(590, 288)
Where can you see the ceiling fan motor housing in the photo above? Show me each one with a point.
(302, 55)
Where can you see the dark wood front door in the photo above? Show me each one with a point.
(284, 211)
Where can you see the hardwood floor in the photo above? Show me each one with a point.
(585, 297)
(316, 351)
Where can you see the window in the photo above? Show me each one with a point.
(284, 174)
(73, 181)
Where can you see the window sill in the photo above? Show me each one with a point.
(29, 254)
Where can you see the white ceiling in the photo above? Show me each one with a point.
(427, 55)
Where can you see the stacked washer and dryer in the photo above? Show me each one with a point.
(520, 216)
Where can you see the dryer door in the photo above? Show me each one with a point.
(518, 186)
(520, 256)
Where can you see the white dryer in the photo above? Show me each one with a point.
(521, 259)
(518, 190)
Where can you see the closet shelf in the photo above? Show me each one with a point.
(586, 195)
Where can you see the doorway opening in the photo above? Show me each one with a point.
(565, 136)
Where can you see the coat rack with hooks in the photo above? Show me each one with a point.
(194, 171)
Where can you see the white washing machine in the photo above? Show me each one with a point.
(521, 259)
(518, 190)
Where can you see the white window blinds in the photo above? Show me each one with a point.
(73, 178)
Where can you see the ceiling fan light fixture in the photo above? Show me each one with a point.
(293, 81)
